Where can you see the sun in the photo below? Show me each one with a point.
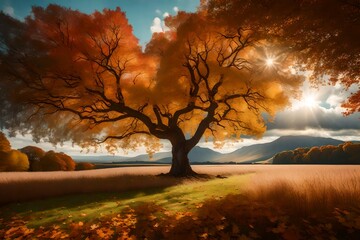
(269, 62)
(309, 101)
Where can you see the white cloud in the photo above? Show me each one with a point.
(158, 11)
(166, 28)
(156, 25)
(9, 11)
(334, 100)
(324, 119)
(176, 9)
(166, 14)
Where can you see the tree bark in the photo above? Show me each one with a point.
(180, 166)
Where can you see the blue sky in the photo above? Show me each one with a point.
(142, 14)
(317, 113)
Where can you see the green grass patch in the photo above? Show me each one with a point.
(185, 197)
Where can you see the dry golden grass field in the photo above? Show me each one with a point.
(250, 202)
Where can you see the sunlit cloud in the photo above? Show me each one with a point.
(158, 26)
(317, 116)
(334, 100)
(308, 100)
(317, 112)
(176, 9)
(166, 14)
(343, 134)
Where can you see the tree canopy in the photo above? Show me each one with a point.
(67, 75)
(322, 35)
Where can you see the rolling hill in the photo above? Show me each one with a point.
(198, 155)
(247, 154)
(260, 152)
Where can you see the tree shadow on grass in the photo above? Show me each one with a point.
(35, 189)
(90, 207)
(91, 202)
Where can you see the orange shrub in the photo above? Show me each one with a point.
(34, 155)
(13, 160)
(313, 155)
(353, 150)
(53, 161)
(84, 166)
(347, 153)
(4, 143)
(284, 157)
(299, 154)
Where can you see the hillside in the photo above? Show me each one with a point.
(248, 154)
(198, 155)
(259, 152)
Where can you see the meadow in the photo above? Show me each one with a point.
(243, 202)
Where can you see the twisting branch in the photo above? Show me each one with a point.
(232, 45)
(120, 137)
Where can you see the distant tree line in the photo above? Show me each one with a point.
(35, 159)
(346, 153)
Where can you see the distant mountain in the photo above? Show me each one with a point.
(155, 157)
(197, 155)
(101, 158)
(112, 159)
(260, 152)
(248, 154)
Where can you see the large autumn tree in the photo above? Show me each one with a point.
(72, 76)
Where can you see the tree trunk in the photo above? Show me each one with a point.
(180, 166)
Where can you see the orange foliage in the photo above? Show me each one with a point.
(347, 153)
(34, 155)
(90, 65)
(53, 161)
(13, 160)
(65, 48)
(84, 166)
(352, 104)
(4, 143)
